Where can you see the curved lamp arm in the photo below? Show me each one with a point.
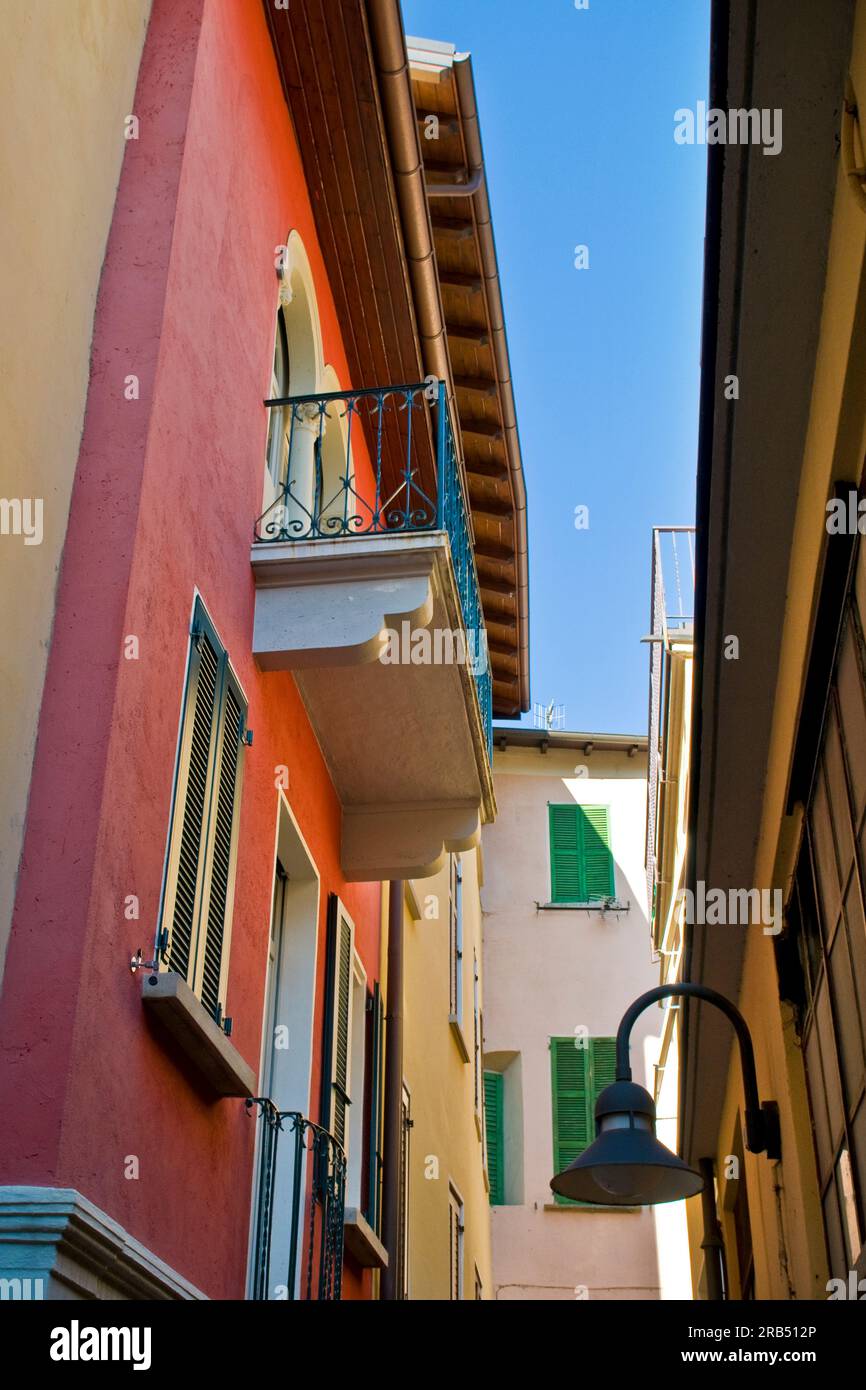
(762, 1118)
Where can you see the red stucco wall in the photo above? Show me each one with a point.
(165, 496)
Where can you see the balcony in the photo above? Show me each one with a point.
(298, 1251)
(366, 589)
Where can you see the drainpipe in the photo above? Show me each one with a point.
(457, 190)
(393, 1098)
(395, 88)
(712, 1244)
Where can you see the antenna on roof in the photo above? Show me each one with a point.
(548, 717)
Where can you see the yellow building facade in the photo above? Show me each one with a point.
(447, 1222)
(67, 85)
(671, 643)
(669, 750)
(779, 737)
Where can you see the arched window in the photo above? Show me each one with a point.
(280, 422)
(309, 472)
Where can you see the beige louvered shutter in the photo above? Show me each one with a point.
(338, 1021)
(185, 878)
(221, 849)
(204, 820)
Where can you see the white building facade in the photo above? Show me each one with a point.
(566, 949)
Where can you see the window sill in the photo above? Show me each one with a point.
(361, 1241)
(457, 1030)
(588, 1209)
(601, 905)
(168, 997)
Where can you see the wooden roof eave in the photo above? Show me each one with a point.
(462, 230)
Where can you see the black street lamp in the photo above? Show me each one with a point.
(626, 1165)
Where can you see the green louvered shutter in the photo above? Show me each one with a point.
(581, 863)
(579, 1075)
(495, 1132)
(603, 1062)
(572, 1118)
(597, 858)
(565, 863)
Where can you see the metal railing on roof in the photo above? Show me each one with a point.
(672, 593)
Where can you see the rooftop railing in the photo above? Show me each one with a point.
(408, 481)
(672, 588)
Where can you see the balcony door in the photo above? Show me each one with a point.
(287, 1036)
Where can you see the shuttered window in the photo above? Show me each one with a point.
(455, 939)
(455, 1243)
(495, 1131)
(406, 1123)
(204, 823)
(373, 1168)
(581, 863)
(477, 1032)
(336, 1069)
(580, 1070)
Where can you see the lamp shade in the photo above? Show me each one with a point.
(626, 1165)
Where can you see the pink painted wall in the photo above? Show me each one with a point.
(166, 493)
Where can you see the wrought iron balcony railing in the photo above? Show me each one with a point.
(408, 481)
(315, 1178)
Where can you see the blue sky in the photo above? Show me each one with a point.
(577, 118)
